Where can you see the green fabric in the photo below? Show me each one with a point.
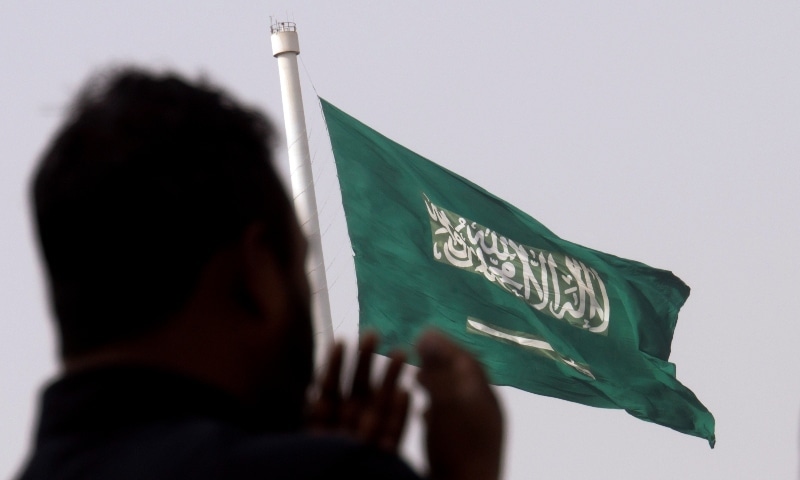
(543, 314)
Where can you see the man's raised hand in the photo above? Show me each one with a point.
(464, 420)
(374, 414)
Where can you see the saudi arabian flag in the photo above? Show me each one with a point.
(545, 315)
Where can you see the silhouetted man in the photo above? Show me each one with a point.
(175, 268)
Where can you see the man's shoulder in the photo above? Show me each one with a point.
(302, 455)
(205, 449)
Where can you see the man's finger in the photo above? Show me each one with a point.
(325, 410)
(390, 378)
(439, 357)
(333, 373)
(361, 388)
(395, 423)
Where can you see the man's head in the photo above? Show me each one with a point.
(150, 178)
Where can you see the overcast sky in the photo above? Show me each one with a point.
(662, 131)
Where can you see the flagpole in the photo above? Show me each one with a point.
(286, 47)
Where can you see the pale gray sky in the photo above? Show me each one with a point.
(666, 132)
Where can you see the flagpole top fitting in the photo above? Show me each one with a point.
(284, 38)
(283, 27)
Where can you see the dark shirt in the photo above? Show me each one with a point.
(137, 423)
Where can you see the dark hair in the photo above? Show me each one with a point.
(148, 178)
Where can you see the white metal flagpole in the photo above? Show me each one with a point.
(286, 47)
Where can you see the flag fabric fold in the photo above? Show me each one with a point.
(543, 314)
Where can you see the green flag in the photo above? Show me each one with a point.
(542, 314)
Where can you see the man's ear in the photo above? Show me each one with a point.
(263, 278)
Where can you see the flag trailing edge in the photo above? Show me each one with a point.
(543, 314)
